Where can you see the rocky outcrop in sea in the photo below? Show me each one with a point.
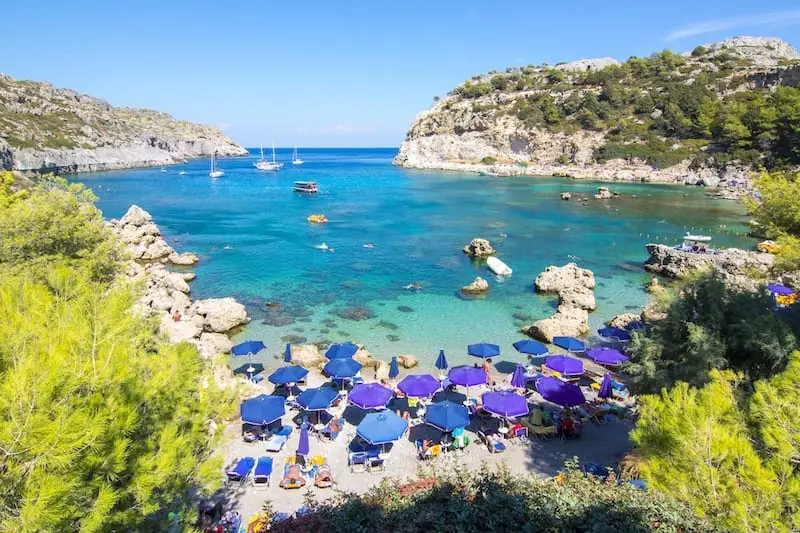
(575, 289)
(165, 293)
(733, 264)
(45, 129)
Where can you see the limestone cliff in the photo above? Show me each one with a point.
(43, 128)
(661, 118)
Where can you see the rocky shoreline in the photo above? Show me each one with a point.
(575, 289)
(204, 323)
(46, 129)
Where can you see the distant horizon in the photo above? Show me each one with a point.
(307, 80)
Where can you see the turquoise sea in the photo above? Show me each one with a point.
(255, 244)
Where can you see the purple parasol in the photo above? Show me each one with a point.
(370, 395)
(605, 387)
(566, 365)
(419, 385)
(303, 447)
(606, 356)
(505, 403)
(467, 376)
(518, 378)
(559, 392)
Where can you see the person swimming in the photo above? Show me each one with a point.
(413, 286)
(323, 247)
(369, 245)
(228, 247)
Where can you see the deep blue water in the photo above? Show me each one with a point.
(255, 244)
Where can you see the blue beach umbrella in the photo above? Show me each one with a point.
(287, 355)
(560, 392)
(571, 344)
(530, 347)
(342, 368)
(370, 395)
(605, 387)
(394, 370)
(614, 333)
(447, 416)
(518, 378)
(419, 385)
(288, 374)
(317, 399)
(303, 447)
(441, 361)
(782, 290)
(606, 356)
(484, 350)
(344, 350)
(381, 428)
(263, 409)
(248, 348)
(467, 376)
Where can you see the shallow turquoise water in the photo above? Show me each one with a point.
(251, 232)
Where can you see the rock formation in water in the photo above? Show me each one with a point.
(166, 294)
(575, 289)
(45, 129)
(479, 248)
(478, 286)
(660, 118)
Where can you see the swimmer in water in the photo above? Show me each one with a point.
(504, 235)
(228, 247)
(414, 286)
(322, 247)
(369, 245)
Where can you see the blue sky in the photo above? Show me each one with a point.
(340, 73)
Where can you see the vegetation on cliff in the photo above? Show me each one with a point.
(103, 426)
(776, 212)
(713, 107)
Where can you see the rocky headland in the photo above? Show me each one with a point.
(45, 129)
(602, 119)
(165, 293)
(575, 289)
(732, 264)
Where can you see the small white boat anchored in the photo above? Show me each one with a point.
(498, 267)
(263, 164)
(696, 238)
(215, 172)
(296, 160)
(309, 187)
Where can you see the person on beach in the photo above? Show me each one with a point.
(488, 369)
(176, 316)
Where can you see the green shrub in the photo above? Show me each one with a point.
(489, 160)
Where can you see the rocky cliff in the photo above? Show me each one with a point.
(43, 128)
(669, 117)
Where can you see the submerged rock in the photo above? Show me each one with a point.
(405, 309)
(293, 339)
(355, 313)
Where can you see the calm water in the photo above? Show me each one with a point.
(255, 244)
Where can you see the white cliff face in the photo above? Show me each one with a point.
(481, 131)
(47, 129)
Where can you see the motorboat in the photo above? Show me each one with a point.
(696, 238)
(215, 172)
(296, 160)
(309, 187)
(264, 164)
(498, 267)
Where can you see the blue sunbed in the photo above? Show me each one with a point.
(242, 469)
(263, 471)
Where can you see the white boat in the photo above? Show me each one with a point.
(296, 160)
(498, 267)
(215, 172)
(263, 164)
(697, 238)
(181, 173)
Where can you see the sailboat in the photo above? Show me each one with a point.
(215, 172)
(263, 164)
(296, 160)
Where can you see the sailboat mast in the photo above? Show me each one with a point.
(273, 152)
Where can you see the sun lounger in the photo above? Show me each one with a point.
(358, 460)
(376, 464)
(240, 471)
(494, 444)
(292, 477)
(262, 473)
(323, 478)
(275, 443)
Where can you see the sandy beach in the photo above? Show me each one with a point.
(601, 444)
